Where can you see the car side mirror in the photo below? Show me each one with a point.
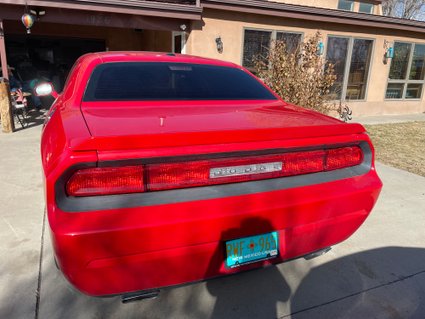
(45, 89)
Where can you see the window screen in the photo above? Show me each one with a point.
(143, 81)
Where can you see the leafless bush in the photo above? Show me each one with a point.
(300, 77)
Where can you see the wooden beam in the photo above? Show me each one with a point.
(6, 113)
(3, 52)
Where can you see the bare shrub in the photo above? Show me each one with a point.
(301, 77)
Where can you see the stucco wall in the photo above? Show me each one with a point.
(331, 4)
(230, 25)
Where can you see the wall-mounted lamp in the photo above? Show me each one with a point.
(390, 53)
(219, 44)
(183, 27)
(38, 12)
(320, 48)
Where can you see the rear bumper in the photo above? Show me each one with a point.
(129, 249)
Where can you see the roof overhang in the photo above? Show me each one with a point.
(278, 9)
(127, 7)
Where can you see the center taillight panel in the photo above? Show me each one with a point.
(205, 172)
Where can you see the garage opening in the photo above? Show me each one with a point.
(43, 58)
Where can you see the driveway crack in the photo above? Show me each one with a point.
(38, 291)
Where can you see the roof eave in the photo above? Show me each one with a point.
(315, 14)
(143, 8)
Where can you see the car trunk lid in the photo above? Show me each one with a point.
(133, 125)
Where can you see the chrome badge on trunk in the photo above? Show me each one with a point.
(245, 169)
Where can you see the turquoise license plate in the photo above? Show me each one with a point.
(251, 249)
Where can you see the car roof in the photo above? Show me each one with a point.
(142, 56)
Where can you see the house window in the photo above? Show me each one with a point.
(407, 71)
(345, 5)
(257, 44)
(351, 59)
(366, 7)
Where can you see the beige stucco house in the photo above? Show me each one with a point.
(380, 61)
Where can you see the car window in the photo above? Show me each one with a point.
(144, 81)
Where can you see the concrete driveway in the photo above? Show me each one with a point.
(377, 273)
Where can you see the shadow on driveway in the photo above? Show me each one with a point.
(385, 282)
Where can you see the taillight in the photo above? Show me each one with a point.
(343, 157)
(164, 176)
(106, 181)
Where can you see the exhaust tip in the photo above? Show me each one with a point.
(139, 296)
(317, 253)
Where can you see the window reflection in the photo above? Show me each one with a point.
(291, 40)
(337, 55)
(395, 91)
(407, 71)
(365, 7)
(345, 5)
(256, 43)
(400, 61)
(417, 71)
(359, 69)
(414, 91)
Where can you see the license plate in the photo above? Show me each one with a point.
(251, 249)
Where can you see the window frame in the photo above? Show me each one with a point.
(273, 38)
(348, 64)
(406, 81)
(352, 5)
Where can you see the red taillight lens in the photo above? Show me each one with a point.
(130, 179)
(343, 157)
(199, 173)
(106, 181)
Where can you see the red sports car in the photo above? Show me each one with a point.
(165, 169)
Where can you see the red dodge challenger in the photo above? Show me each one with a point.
(165, 169)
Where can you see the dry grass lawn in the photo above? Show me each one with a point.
(401, 145)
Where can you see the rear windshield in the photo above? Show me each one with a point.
(143, 81)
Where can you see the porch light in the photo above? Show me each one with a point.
(27, 20)
(38, 13)
(219, 44)
(390, 53)
(320, 48)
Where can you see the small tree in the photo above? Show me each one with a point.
(300, 77)
(405, 9)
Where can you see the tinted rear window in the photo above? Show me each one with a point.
(135, 81)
